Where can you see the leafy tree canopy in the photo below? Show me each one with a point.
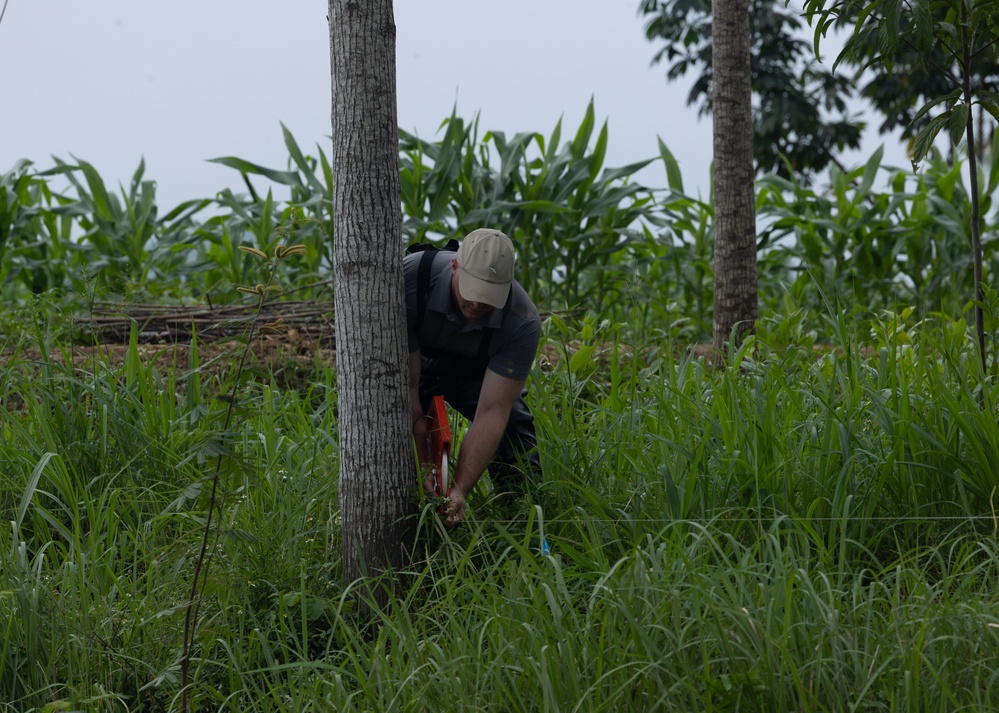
(913, 47)
(799, 110)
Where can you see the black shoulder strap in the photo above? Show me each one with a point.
(423, 289)
(423, 284)
(423, 274)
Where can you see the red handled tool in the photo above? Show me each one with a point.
(440, 444)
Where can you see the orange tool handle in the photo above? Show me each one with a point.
(440, 444)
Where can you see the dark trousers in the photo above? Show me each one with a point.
(459, 381)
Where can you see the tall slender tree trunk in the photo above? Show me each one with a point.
(735, 283)
(967, 43)
(377, 474)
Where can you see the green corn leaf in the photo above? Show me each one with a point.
(613, 174)
(582, 139)
(553, 142)
(102, 202)
(870, 171)
(599, 152)
(285, 178)
(299, 158)
(137, 180)
(673, 177)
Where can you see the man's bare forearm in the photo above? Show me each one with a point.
(478, 448)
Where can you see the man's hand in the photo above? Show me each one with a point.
(454, 508)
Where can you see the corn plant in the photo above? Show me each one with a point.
(876, 250)
(38, 251)
(309, 181)
(567, 215)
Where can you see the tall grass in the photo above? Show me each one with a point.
(801, 532)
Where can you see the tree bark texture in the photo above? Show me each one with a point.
(377, 472)
(735, 278)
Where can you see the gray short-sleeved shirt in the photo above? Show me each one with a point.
(517, 327)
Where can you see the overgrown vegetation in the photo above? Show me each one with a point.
(589, 236)
(813, 528)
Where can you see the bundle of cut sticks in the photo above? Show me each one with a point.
(112, 322)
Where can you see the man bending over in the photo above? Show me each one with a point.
(473, 336)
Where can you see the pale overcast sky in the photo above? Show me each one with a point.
(113, 81)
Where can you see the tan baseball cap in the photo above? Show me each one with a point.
(485, 259)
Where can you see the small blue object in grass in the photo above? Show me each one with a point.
(545, 549)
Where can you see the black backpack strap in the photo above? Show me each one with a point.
(423, 284)
(423, 289)
(423, 274)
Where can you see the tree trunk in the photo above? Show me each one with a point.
(976, 229)
(377, 475)
(735, 285)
